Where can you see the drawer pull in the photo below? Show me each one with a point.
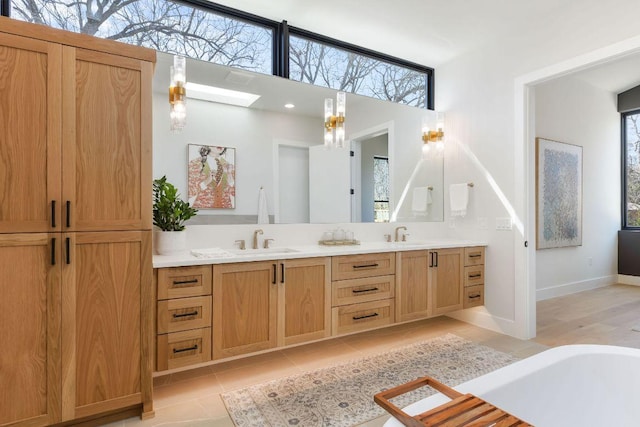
(53, 251)
(474, 256)
(184, 282)
(366, 316)
(193, 313)
(473, 276)
(53, 214)
(357, 291)
(181, 350)
(474, 296)
(366, 266)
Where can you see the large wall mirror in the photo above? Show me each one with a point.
(281, 150)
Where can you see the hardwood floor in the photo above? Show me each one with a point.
(192, 398)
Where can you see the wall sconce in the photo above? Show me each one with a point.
(178, 93)
(433, 137)
(334, 124)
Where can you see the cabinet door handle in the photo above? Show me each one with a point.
(180, 350)
(430, 259)
(366, 316)
(179, 315)
(184, 282)
(366, 265)
(282, 272)
(473, 276)
(436, 263)
(53, 214)
(68, 213)
(67, 246)
(53, 251)
(474, 296)
(357, 291)
(275, 273)
(474, 256)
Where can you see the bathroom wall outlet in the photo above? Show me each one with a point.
(482, 223)
(504, 223)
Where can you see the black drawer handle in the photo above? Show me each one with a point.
(474, 296)
(53, 251)
(53, 214)
(184, 282)
(366, 316)
(473, 276)
(366, 266)
(475, 256)
(68, 214)
(67, 246)
(181, 350)
(357, 291)
(177, 316)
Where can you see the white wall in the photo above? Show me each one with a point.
(572, 111)
(478, 92)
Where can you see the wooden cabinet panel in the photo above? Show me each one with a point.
(474, 275)
(180, 282)
(304, 300)
(30, 133)
(474, 255)
(244, 308)
(413, 299)
(355, 291)
(30, 331)
(185, 348)
(105, 147)
(473, 296)
(365, 265)
(446, 277)
(360, 317)
(106, 287)
(183, 314)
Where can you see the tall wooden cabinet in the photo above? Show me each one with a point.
(413, 299)
(75, 218)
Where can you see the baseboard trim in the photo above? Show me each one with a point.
(575, 287)
(481, 317)
(629, 280)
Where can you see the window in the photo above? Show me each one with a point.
(380, 189)
(166, 26)
(324, 65)
(631, 178)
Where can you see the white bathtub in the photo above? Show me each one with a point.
(573, 385)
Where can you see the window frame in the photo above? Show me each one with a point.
(280, 48)
(623, 143)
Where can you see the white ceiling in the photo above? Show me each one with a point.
(432, 32)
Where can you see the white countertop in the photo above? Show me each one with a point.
(291, 252)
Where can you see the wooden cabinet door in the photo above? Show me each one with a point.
(304, 300)
(106, 340)
(30, 329)
(446, 276)
(30, 131)
(107, 141)
(412, 285)
(244, 307)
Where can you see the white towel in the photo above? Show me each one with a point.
(263, 211)
(459, 198)
(421, 200)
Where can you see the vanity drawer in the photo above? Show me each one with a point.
(474, 255)
(359, 317)
(473, 296)
(183, 348)
(180, 282)
(474, 275)
(365, 265)
(183, 314)
(362, 290)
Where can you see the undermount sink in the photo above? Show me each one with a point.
(261, 251)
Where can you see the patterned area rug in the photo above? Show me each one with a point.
(342, 395)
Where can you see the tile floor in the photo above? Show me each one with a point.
(192, 398)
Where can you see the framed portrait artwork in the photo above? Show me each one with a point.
(558, 194)
(212, 177)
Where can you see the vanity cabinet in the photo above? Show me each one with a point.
(446, 280)
(75, 219)
(363, 288)
(183, 316)
(259, 305)
(413, 299)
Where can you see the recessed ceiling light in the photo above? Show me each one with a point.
(289, 105)
(217, 94)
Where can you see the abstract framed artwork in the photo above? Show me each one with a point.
(212, 177)
(558, 194)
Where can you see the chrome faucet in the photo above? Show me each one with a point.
(402, 227)
(255, 238)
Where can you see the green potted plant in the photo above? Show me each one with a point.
(169, 215)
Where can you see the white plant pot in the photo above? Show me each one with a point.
(170, 242)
